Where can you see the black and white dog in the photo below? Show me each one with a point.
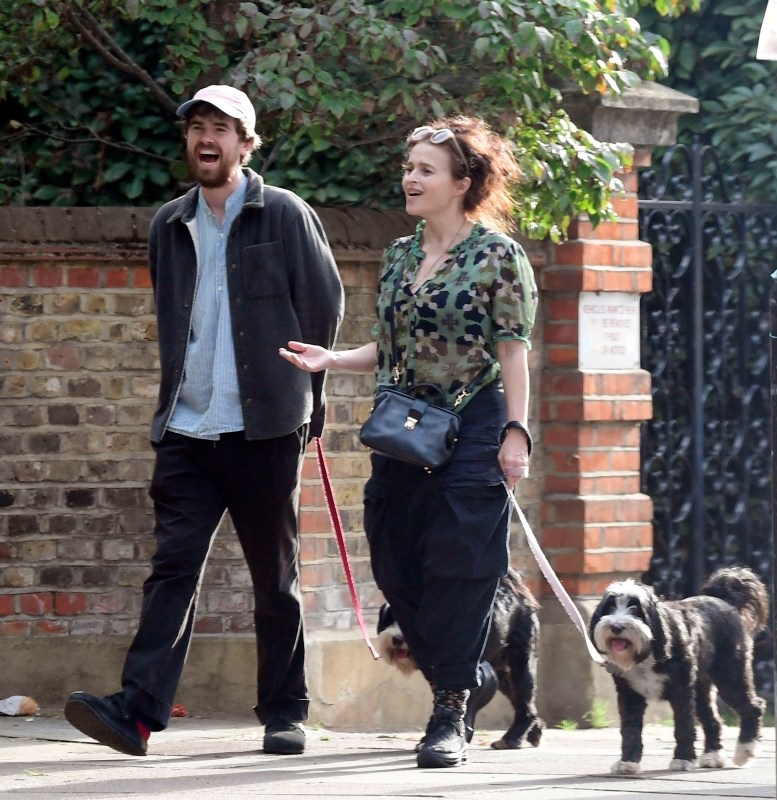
(685, 652)
(511, 649)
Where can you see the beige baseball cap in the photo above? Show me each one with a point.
(231, 101)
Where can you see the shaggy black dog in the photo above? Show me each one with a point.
(685, 652)
(511, 648)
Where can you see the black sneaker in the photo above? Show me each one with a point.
(106, 719)
(283, 737)
(445, 744)
(480, 696)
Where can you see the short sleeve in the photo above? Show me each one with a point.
(513, 294)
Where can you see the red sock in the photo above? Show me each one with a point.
(143, 730)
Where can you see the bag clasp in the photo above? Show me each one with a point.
(414, 415)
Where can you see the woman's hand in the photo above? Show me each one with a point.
(313, 358)
(309, 357)
(514, 457)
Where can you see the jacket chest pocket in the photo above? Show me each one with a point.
(264, 271)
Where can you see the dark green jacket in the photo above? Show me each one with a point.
(283, 284)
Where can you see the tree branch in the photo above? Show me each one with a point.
(115, 56)
(94, 138)
(272, 154)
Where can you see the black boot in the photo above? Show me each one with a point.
(480, 696)
(420, 742)
(445, 744)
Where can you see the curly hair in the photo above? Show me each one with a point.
(490, 165)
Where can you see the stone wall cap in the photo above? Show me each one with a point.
(645, 115)
(107, 225)
(645, 96)
(652, 96)
(364, 229)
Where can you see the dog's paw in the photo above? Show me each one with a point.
(681, 765)
(504, 744)
(535, 734)
(712, 760)
(516, 735)
(626, 768)
(745, 752)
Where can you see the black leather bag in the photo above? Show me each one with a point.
(411, 428)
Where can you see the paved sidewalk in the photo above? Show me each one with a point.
(46, 759)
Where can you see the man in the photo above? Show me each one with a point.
(238, 269)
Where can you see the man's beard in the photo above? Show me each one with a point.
(207, 177)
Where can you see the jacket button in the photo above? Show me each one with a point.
(249, 400)
(234, 266)
(245, 366)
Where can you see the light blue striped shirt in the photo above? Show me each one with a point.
(208, 402)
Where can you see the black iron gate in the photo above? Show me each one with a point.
(706, 454)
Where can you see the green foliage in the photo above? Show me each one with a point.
(78, 133)
(712, 57)
(599, 715)
(337, 84)
(567, 170)
(596, 717)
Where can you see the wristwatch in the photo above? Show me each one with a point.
(518, 425)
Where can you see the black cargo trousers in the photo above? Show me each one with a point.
(439, 544)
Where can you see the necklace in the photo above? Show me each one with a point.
(417, 284)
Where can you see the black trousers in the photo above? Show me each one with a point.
(194, 483)
(439, 543)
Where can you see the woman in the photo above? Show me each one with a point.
(463, 299)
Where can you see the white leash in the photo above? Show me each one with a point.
(552, 578)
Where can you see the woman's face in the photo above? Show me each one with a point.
(428, 183)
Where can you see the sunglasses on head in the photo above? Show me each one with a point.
(438, 136)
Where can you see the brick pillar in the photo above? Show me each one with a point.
(596, 524)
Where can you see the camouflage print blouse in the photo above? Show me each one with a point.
(483, 293)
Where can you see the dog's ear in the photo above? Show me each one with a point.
(597, 615)
(385, 617)
(659, 627)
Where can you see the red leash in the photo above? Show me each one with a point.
(337, 525)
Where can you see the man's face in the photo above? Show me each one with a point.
(214, 149)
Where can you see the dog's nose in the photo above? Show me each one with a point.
(617, 628)
(397, 641)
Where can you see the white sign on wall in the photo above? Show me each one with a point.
(767, 39)
(608, 330)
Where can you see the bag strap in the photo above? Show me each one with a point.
(394, 365)
(552, 578)
(337, 525)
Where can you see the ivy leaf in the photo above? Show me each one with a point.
(133, 189)
(116, 171)
(287, 100)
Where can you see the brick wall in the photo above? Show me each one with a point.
(77, 389)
